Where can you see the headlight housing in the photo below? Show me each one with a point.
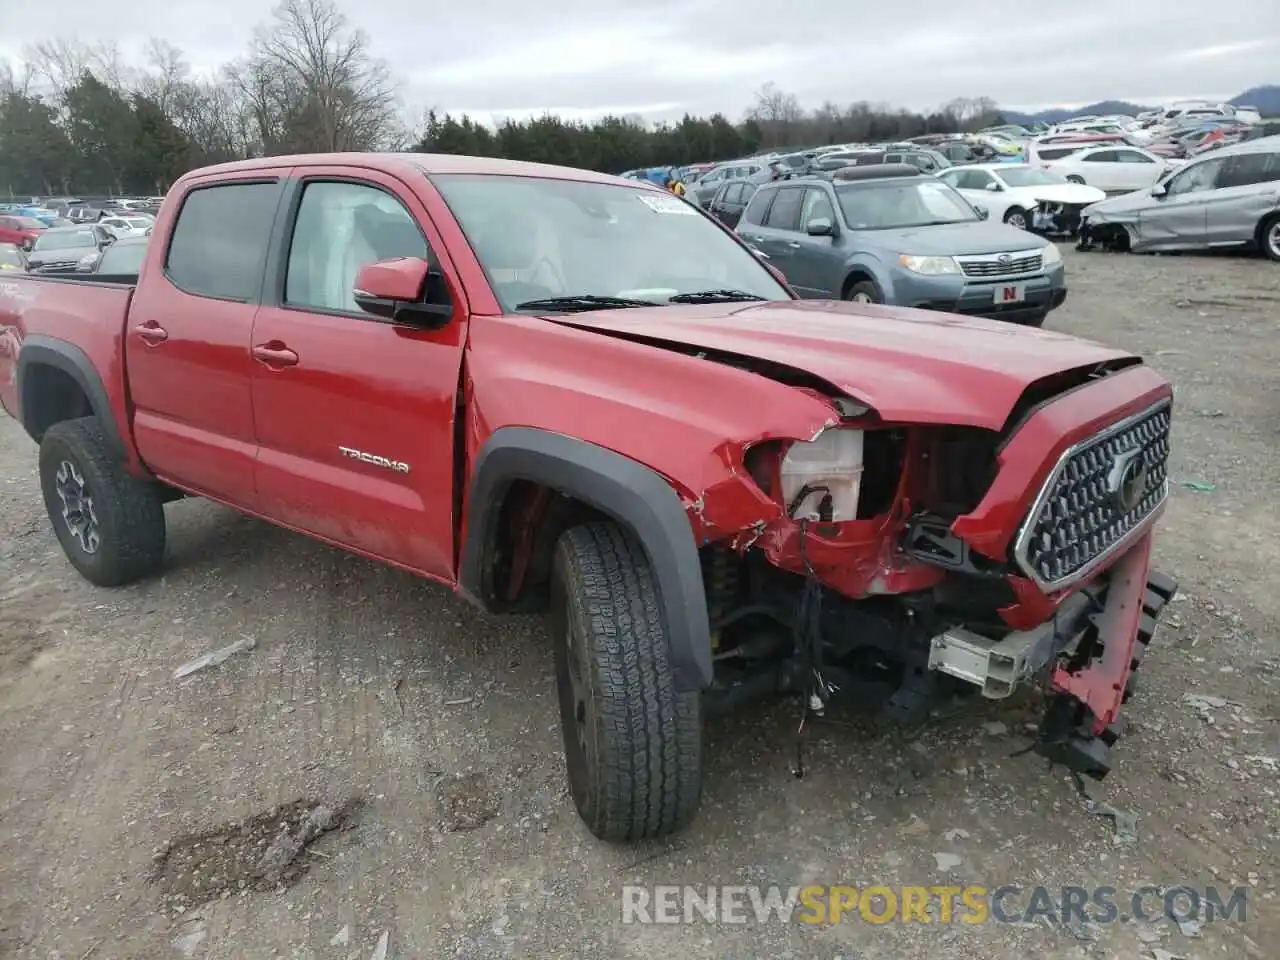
(930, 266)
(1050, 254)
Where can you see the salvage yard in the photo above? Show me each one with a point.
(412, 747)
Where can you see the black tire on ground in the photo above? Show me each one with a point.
(1020, 215)
(632, 743)
(110, 524)
(864, 291)
(1269, 237)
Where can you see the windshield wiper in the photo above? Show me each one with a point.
(581, 302)
(713, 296)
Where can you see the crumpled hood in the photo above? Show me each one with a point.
(1068, 193)
(1125, 205)
(957, 239)
(914, 366)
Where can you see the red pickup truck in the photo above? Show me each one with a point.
(556, 390)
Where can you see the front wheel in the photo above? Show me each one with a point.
(1074, 178)
(110, 524)
(864, 291)
(1017, 217)
(632, 743)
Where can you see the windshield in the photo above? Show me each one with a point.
(57, 240)
(1030, 177)
(886, 204)
(122, 258)
(539, 238)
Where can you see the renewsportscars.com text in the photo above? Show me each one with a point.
(972, 904)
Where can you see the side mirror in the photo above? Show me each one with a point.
(820, 227)
(393, 290)
(982, 211)
(993, 187)
(1159, 190)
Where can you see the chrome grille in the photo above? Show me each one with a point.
(1096, 500)
(1001, 264)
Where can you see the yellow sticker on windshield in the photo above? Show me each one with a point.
(665, 204)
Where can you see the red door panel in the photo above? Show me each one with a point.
(354, 415)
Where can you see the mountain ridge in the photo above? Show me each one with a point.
(1265, 97)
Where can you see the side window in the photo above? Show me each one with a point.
(785, 212)
(713, 176)
(1102, 156)
(952, 178)
(1196, 178)
(219, 243)
(734, 193)
(816, 204)
(758, 208)
(1132, 156)
(1249, 169)
(342, 227)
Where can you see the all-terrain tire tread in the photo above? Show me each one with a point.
(129, 509)
(650, 735)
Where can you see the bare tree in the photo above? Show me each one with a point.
(165, 74)
(313, 84)
(777, 113)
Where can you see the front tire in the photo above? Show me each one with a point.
(864, 291)
(632, 743)
(1075, 178)
(110, 524)
(1017, 217)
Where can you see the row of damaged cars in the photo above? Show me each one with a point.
(1229, 197)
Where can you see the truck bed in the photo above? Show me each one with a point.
(83, 316)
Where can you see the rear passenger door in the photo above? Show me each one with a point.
(187, 339)
(777, 236)
(1248, 190)
(354, 413)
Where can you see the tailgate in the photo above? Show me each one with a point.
(66, 317)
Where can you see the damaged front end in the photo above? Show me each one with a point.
(899, 565)
(1056, 218)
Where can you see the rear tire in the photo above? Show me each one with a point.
(632, 743)
(110, 524)
(1075, 178)
(864, 291)
(1269, 237)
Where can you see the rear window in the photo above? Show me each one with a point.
(66, 240)
(219, 243)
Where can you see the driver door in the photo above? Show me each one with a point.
(816, 265)
(1181, 215)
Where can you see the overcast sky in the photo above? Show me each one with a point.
(664, 57)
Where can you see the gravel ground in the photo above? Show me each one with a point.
(429, 731)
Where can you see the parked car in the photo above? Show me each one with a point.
(730, 200)
(22, 231)
(656, 444)
(126, 226)
(1113, 169)
(123, 258)
(922, 158)
(1024, 196)
(11, 257)
(63, 250)
(1230, 197)
(889, 234)
(707, 184)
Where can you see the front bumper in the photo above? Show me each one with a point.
(1057, 217)
(974, 297)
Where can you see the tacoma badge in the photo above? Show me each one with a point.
(396, 465)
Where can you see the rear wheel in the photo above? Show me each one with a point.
(1017, 217)
(1269, 237)
(110, 524)
(1075, 178)
(864, 291)
(632, 742)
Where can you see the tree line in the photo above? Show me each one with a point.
(75, 119)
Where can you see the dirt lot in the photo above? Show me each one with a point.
(438, 725)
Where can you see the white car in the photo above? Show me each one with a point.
(1115, 169)
(1020, 195)
(127, 226)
